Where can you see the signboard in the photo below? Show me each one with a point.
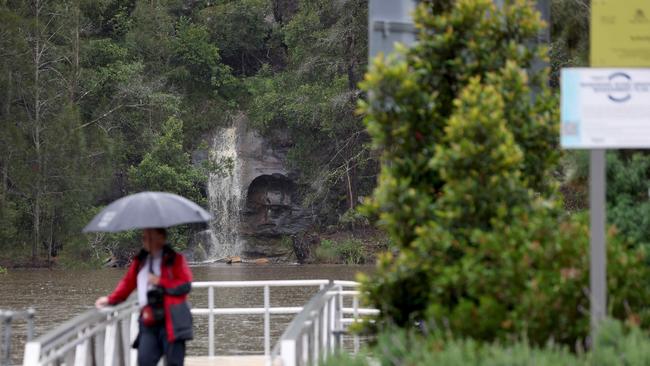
(620, 33)
(605, 108)
(389, 22)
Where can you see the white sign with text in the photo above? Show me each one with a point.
(605, 108)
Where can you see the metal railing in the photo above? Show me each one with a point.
(104, 337)
(316, 332)
(7, 317)
(96, 337)
(267, 310)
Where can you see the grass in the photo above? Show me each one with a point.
(616, 344)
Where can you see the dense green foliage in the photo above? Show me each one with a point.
(88, 87)
(313, 100)
(569, 31)
(628, 190)
(466, 190)
(105, 98)
(615, 345)
(166, 167)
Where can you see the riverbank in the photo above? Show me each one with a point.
(352, 246)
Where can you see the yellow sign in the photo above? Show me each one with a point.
(620, 33)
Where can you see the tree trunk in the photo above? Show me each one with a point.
(5, 176)
(37, 138)
(37, 226)
(351, 183)
(50, 239)
(75, 72)
(8, 95)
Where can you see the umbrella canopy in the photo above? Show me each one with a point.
(147, 210)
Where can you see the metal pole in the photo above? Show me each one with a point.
(267, 322)
(30, 323)
(355, 306)
(597, 257)
(7, 339)
(211, 322)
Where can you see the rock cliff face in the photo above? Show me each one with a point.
(268, 198)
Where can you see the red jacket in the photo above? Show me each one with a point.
(175, 279)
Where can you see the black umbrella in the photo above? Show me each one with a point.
(147, 210)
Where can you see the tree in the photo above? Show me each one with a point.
(466, 191)
(168, 168)
(243, 34)
(314, 101)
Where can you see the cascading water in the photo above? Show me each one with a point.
(224, 195)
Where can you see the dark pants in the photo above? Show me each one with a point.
(153, 344)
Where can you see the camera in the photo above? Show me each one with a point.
(156, 313)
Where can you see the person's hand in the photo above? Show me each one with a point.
(101, 302)
(153, 279)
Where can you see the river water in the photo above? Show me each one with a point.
(58, 295)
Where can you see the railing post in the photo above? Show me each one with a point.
(355, 306)
(211, 321)
(332, 320)
(100, 348)
(135, 329)
(323, 332)
(32, 354)
(81, 353)
(6, 346)
(109, 345)
(288, 352)
(316, 337)
(339, 318)
(30, 323)
(267, 321)
(305, 348)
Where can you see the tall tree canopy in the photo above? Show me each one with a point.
(96, 95)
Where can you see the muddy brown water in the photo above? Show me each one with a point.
(59, 295)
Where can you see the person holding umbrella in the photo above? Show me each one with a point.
(161, 276)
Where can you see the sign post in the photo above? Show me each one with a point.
(603, 108)
(620, 37)
(597, 244)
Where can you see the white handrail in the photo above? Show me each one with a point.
(103, 337)
(315, 333)
(266, 311)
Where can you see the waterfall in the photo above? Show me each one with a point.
(224, 194)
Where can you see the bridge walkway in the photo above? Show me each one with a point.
(103, 337)
(226, 361)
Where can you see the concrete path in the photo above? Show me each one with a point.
(226, 361)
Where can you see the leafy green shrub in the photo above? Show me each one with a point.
(352, 218)
(615, 346)
(351, 251)
(466, 192)
(628, 185)
(326, 252)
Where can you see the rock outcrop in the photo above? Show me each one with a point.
(270, 206)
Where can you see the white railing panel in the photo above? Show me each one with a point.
(316, 332)
(104, 338)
